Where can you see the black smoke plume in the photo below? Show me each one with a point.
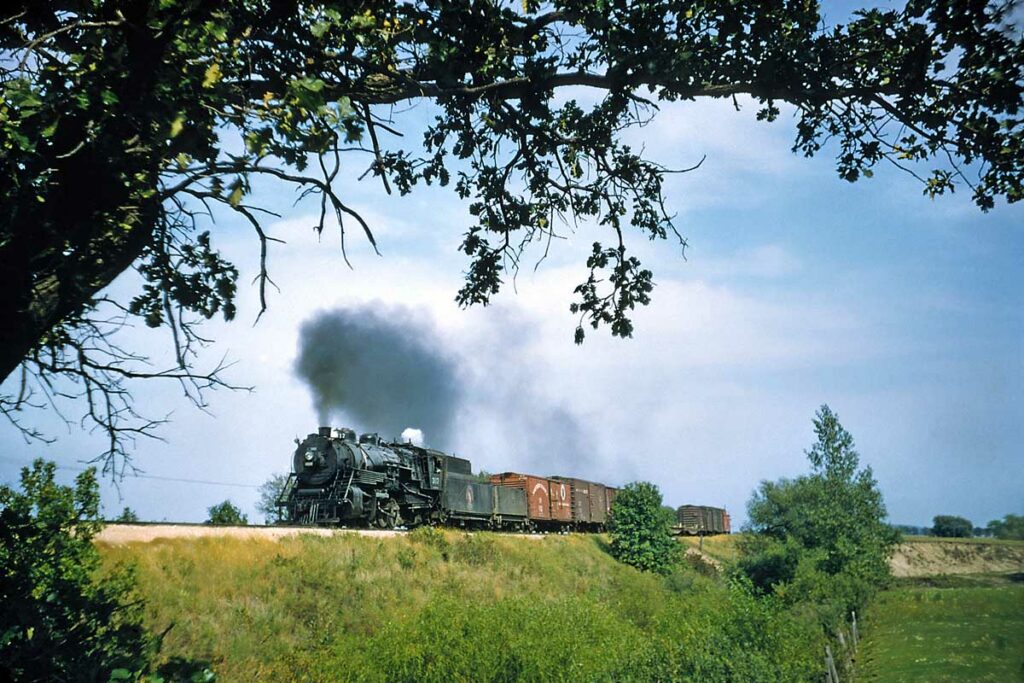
(383, 368)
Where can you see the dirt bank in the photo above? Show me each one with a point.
(116, 534)
(935, 557)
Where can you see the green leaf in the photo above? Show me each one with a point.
(177, 125)
(212, 76)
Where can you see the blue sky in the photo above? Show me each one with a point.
(902, 313)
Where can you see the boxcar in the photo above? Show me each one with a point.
(561, 502)
(701, 520)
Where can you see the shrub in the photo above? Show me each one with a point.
(58, 619)
(226, 514)
(640, 531)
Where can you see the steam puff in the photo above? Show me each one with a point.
(413, 436)
(382, 367)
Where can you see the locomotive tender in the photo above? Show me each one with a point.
(339, 479)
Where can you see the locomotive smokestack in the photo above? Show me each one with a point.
(324, 431)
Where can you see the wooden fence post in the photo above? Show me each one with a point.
(830, 661)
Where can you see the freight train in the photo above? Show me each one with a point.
(339, 479)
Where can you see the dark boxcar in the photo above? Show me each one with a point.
(580, 493)
(537, 490)
(598, 503)
(465, 497)
(701, 519)
(561, 501)
(510, 504)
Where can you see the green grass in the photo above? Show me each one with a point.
(444, 606)
(937, 634)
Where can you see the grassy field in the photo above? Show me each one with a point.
(444, 606)
(954, 629)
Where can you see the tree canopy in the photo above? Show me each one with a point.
(952, 526)
(124, 124)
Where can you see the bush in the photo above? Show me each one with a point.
(949, 526)
(58, 619)
(640, 530)
(226, 514)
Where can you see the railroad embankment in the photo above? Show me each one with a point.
(433, 605)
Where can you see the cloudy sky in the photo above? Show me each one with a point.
(903, 314)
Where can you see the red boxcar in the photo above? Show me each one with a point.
(561, 501)
(538, 492)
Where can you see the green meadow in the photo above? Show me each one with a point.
(941, 629)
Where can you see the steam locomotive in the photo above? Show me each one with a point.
(339, 479)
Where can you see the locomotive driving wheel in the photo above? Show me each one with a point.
(389, 515)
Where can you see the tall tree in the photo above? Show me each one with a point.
(833, 519)
(123, 122)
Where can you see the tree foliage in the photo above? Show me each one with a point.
(58, 619)
(1009, 527)
(823, 535)
(226, 514)
(951, 526)
(123, 124)
(640, 529)
(270, 491)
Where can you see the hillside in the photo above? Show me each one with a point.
(444, 606)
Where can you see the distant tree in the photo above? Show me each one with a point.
(127, 516)
(912, 530)
(59, 621)
(640, 530)
(830, 523)
(950, 526)
(1010, 527)
(270, 491)
(226, 514)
